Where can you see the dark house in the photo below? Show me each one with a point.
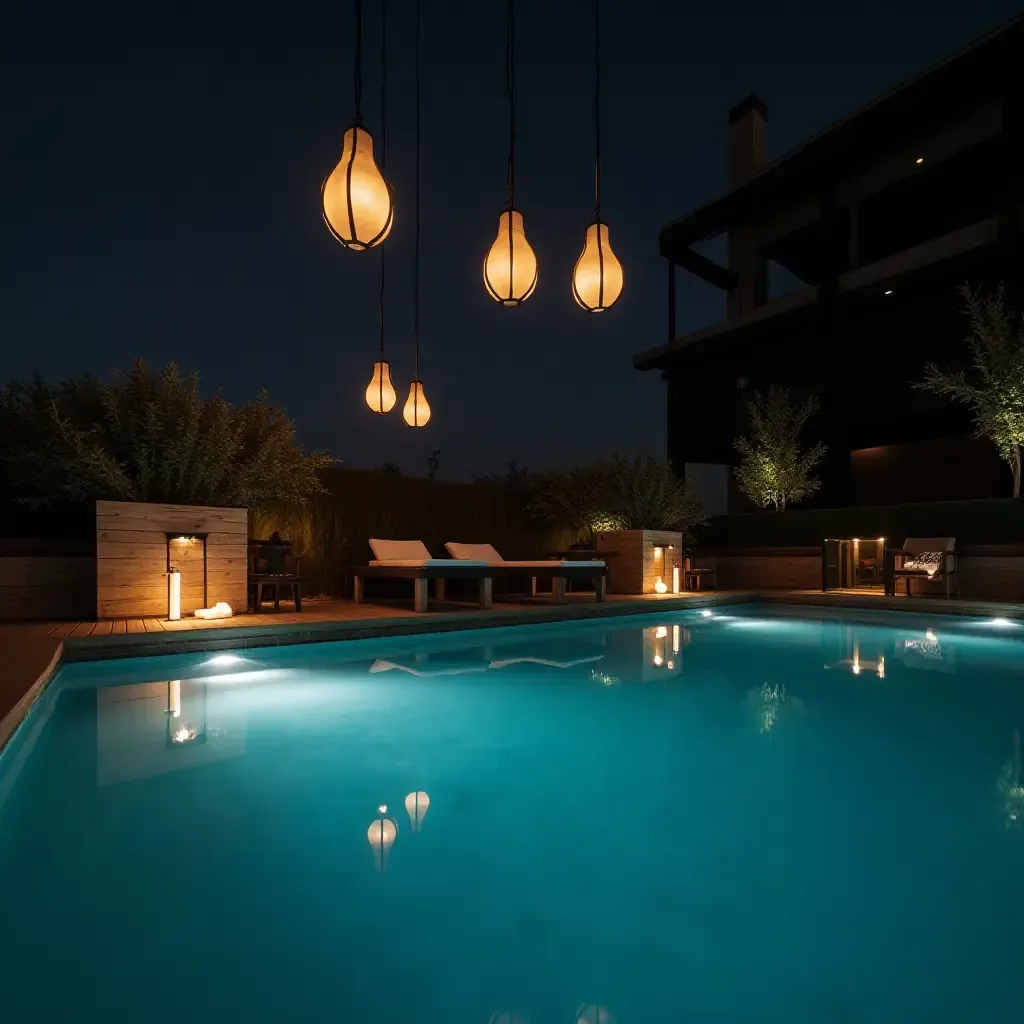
(874, 222)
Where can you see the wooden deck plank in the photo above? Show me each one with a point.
(62, 629)
(103, 628)
(135, 626)
(119, 627)
(153, 626)
(83, 629)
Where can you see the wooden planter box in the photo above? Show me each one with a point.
(132, 553)
(636, 558)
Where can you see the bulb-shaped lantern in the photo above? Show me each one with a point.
(417, 804)
(510, 267)
(380, 392)
(357, 203)
(381, 834)
(597, 279)
(416, 411)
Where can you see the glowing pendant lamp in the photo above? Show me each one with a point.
(597, 278)
(380, 392)
(356, 200)
(381, 835)
(417, 411)
(417, 805)
(510, 266)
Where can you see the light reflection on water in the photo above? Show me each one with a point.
(729, 818)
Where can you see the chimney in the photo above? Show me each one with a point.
(746, 140)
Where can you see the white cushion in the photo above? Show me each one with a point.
(473, 552)
(409, 551)
(486, 553)
(418, 563)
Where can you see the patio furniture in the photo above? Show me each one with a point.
(410, 560)
(921, 558)
(273, 568)
(558, 571)
(692, 577)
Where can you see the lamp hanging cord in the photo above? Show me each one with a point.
(357, 73)
(383, 150)
(416, 272)
(510, 86)
(597, 110)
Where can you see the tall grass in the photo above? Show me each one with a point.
(331, 533)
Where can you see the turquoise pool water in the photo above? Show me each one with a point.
(725, 819)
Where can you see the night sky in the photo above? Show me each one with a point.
(161, 187)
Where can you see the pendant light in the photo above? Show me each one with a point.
(417, 411)
(597, 277)
(356, 200)
(510, 266)
(380, 392)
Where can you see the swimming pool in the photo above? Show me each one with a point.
(738, 817)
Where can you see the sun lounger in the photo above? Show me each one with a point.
(410, 560)
(555, 570)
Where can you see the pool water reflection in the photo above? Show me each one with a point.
(714, 818)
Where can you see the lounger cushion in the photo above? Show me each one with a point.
(474, 552)
(416, 563)
(408, 551)
(486, 553)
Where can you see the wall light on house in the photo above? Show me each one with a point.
(919, 160)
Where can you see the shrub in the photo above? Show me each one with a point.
(151, 437)
(617, 493)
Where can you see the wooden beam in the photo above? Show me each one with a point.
(706, 269)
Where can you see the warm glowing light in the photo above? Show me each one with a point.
(417, 805)
(356, 200)
(670, 665)
(675, 579)
(881, 667)
(416, 412)
(510, 266)
(183, 735)
(881, 540)
(919, 160)
(661, 632)
(660, 586)
(173, 595)
(380, 392)
(675, 640)
(856, 667)
(174, 698)
(597, 279)
(381, 835)
(657, 552)
(888, 291)
(658, 659)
